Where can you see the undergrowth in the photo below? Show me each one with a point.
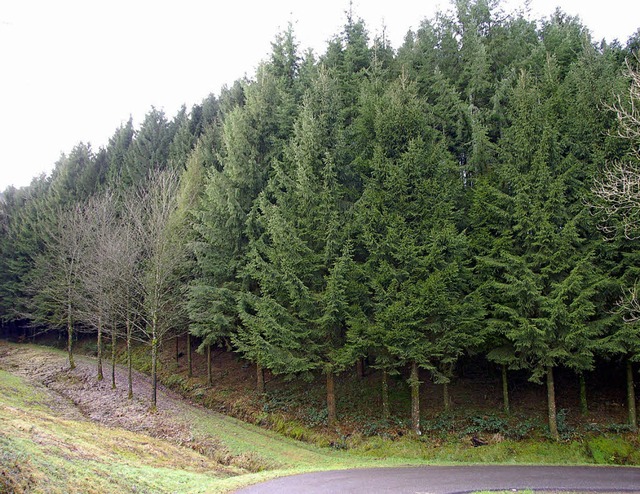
(296, 410)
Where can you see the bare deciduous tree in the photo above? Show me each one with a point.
(97, 285)
(56, 278)
(152, 211)
(618, 190)
(107, 272)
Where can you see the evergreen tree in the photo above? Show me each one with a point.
(415, 255)
(252, 138)
(545, 280)
(117, 150)
(296, 320)
(149, 149)
(618, 202)
(27, 220)
(76, 177)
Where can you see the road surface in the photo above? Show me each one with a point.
(452, 479)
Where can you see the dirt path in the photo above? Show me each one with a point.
(79, 395)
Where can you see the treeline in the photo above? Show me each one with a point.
(410, 206)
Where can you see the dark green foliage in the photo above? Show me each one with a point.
(408, 207)
(299, 261)
(149, 149)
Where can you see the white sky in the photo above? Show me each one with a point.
(74, 70)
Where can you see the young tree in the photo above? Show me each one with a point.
(55, 283)
(152, 209)
(107, 271)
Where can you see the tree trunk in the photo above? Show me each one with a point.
(260, 386)
(189, 361)
(631, 398)
(360, 368)
(114, 341)
(331, 399)
(551, 400)
(100, 375)
(385, 394)
(129, 360)
(209, 367)
(177, 349)
(72, 364)
(446, 398)
(505, 389)
(414, 384)
(154, 372)
(584, 405)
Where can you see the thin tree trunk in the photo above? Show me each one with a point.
(360, 368)
(385, 394)
(114, 341)
(154, 365)
(72, 364)
(209, 367)
(446, 398)
(631, 398)
(189, 361)
(551, 400)
(100, 375)
(260, 386)
(177, 349)
(414, 383)
(584, 405)
(505, 389)
(129, 361)
(331, 399)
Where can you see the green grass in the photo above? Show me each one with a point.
(41, 451)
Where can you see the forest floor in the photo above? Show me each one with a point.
(297, 407)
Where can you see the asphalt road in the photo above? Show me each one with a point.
(451, 479)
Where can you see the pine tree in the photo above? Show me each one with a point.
(252, 138)
(616, 199)
(149, 149)
(117, 150)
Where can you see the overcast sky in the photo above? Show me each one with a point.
(74, 70)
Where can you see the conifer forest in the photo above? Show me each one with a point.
(471, 194)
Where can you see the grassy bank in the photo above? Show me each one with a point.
(48, 445)
(49, 442)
